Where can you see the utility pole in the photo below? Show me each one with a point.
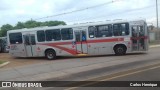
(157, 13)
(158, 36)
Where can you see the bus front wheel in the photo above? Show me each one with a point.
(50, 54)
(120, 50)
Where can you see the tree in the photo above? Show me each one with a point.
(0, 34)
(28, 24)
(54, 23)
(5, 28)
(31, 24)
(19, 25)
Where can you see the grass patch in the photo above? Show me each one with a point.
(1, 62)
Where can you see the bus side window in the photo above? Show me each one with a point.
(117, 30)
(125, 29)
(121, 29)
(91, 31)
(40, 36)
(104, 31)
(53, 35)
(67, 34)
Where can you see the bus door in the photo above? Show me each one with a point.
(81, 44)
(138, 38)
(30, 44)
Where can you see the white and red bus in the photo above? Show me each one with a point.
(100, 38)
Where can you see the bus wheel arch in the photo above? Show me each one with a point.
(120, 49)
(50, 54)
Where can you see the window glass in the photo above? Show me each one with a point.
(33, 41)
(40, 36)
(104, 31)
(67, 34)
(26, 40)
(134, 31)
(141, 31)
(126, 28)
(91, 31)
(117, 30)
(78, 36)
(53, 35)
(15, 38)
(83, 35)
(121, 29)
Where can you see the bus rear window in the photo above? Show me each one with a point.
(15, 38)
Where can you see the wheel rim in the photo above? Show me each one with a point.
(120, 50)
(50, 55)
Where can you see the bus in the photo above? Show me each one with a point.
(98, 38)
(3, 45)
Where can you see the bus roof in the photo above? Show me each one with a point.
(70, 26)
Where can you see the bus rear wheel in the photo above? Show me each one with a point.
(50, 54)
(120, 50)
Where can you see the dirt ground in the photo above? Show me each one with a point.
(15, 62)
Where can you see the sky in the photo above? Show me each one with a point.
(13, 11)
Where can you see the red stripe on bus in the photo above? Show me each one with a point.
(83, 42)
(71, 51)
(60, 43)
(105, 40)
(74, 52)
(137, 38)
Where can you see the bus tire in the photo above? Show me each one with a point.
(120, 50)
(50, 54)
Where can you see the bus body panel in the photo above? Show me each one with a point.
(17, 50)
(81, 43)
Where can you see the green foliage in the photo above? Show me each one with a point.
(0, 33)
(28, 24)
(19, 25)
(5, 28)
(54, 23)
(32, 24)
(1, 62)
